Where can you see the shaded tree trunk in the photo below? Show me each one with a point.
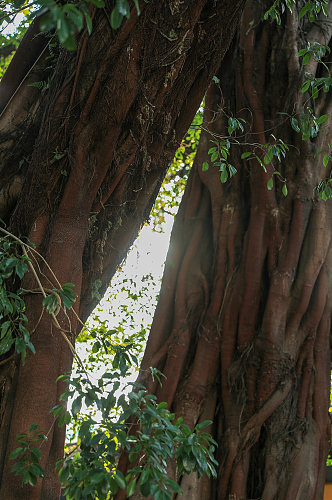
(81, 165)
(242, 327)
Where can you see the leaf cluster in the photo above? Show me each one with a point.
(13, 332)
(67, 19)
(66, 294)
(136, 424)
(310, 8)
(27, 455)
(308, 124)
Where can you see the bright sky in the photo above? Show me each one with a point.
(147, 256)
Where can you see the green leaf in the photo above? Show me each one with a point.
(6, 343)
(268, 157)
(305, 86)
(137, 7)
(205, 166)
(144, 488)
(88, 19)
(270, 183)
(36, 452)
(206, 423)
(67, 298)
(322, 119)
(17, 452)
(21, 268)
(284, 190)
(162, 405)
(123, 7)
(31, 347)
(145, 476)
(116, 18)
(224, 176)
(302, 52)
(314, 92)
(5, 326)
(232, 125)
(214, 156)
(232, 170)
(56, 410)
(308, 6)
(63, 27)
(97, 477)
(131, 488)
(20, 345)
(120, 479)
(74, 15)
(64, 419)
(76, 405)
(29, 478)
(325, 160)
(64, 474)
(174, 486)
(51, 303)
(295, 125)
(36, 470)
(245, 155)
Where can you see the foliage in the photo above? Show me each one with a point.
(136, 423)
(67, 19)
(65, 295)
(14, 263)
(27, 455)
(307, 123)
(312, 9)
(120, 322)
(13, 266)
(12, 29)
(125, 325)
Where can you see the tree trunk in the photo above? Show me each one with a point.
(242, 327)
(81, 165)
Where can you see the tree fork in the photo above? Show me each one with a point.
(100, 140)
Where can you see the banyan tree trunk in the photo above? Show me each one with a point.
(242, 326)
(80, 166)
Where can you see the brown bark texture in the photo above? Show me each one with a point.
(80, 166)
(242, 327)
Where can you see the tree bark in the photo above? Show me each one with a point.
(81, 165)
(242, 327)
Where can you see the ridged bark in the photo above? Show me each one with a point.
(81, 165)
(242, 327)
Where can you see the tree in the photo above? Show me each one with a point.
(242, 327)
(86, 137)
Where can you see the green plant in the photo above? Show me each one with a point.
(27, 455)
(134, 424)
(13, 266)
